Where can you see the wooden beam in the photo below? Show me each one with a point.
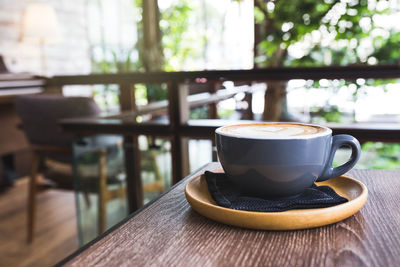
(262, 74)
(205, 128)
(197, 100)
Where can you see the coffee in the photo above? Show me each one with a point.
(273, 130)
(278, 160)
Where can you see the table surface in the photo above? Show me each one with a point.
(167, 232)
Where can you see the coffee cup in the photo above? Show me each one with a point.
(281, 160)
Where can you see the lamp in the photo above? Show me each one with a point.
(40, 25)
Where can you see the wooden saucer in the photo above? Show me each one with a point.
(199, 198)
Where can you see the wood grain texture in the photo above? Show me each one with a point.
(170, 233)
(55, 234)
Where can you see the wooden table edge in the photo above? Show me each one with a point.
(130, 216)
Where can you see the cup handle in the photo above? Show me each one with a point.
(338, 141)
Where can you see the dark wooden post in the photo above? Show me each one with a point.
(249, 112)
(134, 187)
(212, 107)
(213, 114)
(127, 97)
(214, 155)
(178, 109)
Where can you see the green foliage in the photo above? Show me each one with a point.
(387, 50)
(283, 23)
(141, 94)
(118, 61)
(202, 113)
(328, 113)
(225, 113)
(326, 32)
(380, 82)
(374, 155)
(156, 92)
(177, 44)
(387, 156)
(199, 113)
(287, 23)
(106, 96)
(113, 59)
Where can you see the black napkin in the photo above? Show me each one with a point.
(227, 195)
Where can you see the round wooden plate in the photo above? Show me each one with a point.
(199, 198)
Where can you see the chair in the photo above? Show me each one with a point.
(40, 115)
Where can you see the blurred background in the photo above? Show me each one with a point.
(41, 41)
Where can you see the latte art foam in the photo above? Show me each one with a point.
(273, 130)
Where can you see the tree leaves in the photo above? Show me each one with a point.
(350, 21)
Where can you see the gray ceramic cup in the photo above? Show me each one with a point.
(282, 168)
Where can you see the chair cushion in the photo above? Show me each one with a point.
(40, 115)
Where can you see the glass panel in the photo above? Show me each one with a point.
(99, 205)
(200, 153)
(155, 166)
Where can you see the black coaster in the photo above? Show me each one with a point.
(227, 195)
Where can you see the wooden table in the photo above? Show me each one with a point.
(167, 232)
